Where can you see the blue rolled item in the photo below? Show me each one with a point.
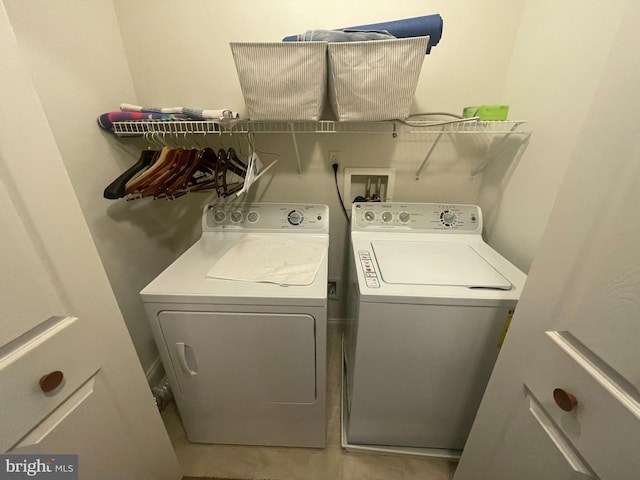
(430, 25)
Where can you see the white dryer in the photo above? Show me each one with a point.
(430, 303)
(247, 359)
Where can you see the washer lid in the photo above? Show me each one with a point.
(430, 263)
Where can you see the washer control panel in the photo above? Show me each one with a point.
(368, 269)
(266, 217)
(437, 217)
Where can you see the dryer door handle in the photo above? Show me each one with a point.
(181, 350)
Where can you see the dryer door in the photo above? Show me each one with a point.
(252, 357)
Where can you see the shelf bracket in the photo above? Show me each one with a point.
(295, 146)
(426, 158)
(493, 151)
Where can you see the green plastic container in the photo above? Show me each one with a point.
(487, 112)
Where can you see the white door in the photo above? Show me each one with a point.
(577, 326)
(70, 380)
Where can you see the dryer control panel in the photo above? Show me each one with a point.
(267, 217)
(423, 217)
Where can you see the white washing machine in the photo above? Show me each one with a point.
(246, 357)
(429, 304)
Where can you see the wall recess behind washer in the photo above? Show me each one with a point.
(372, 184)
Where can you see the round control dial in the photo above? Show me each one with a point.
(448, 218)
(369, 216)
(295, 217)
(387, 217)
(219, 216)
(253, 217)
(404, 217)
(236, 217)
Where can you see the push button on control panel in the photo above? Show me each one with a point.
(370, 274)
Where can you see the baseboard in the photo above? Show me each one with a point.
(155, 372)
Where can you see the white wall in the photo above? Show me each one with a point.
(558, 59)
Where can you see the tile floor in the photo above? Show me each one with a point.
(277, 463)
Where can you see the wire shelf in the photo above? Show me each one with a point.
(185, 127)
(492, 127)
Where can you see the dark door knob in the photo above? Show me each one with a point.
(565, 400)
(51, 381)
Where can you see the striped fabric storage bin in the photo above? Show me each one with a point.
(374, 80)
(282, 80)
